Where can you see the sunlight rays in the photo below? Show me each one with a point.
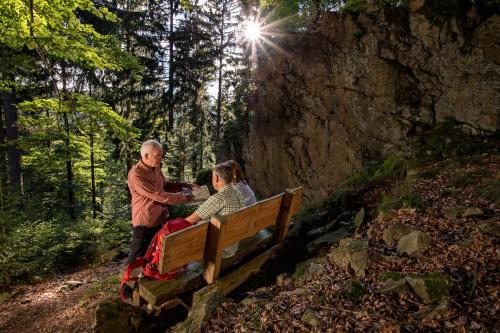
(258, 35)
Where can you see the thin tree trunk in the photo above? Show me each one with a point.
(14, 155)
(67, 142)
(219, 95)
(92, 175)
(170, 93)
(3, 152)
(92, 168)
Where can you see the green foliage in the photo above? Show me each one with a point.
(438, 285)
(204, 177)
(391, 276)
(356, 290)
(107, 286)
(357, 34)
(40, 248)
(449, 140)
(392, 168)
(181, 210)
(401, 199)
(352, 6)
(53, 28)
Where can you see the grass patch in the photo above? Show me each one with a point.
(391, 276)
(356, 290)
(429, 174)
(490, 192)
(438, 286)
(448, 192)
(393, 167)
(108, 286)
(408, 200)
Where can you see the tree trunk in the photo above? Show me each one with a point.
(219, 95)
(69, 164)
(14, 155)
(3, 152)
(92, 175)
(170, 93)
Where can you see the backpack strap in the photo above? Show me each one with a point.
(138, 262)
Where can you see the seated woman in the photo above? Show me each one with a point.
(240, 183)
(225, 201)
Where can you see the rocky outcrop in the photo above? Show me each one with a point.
(356, 87)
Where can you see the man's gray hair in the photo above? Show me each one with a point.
(225, 172)
(146, 145)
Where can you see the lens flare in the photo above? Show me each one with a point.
(252, 30)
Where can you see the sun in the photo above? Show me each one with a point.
(258, 34)
(253, 30)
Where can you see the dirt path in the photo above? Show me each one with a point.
(49, 307)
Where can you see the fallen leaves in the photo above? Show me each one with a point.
(459, 251)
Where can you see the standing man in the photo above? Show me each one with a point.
(151, 192)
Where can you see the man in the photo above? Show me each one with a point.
(151, 192)
(225, 201)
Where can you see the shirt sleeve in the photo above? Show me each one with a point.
(141, 185)
(209, 208)
(174, 186)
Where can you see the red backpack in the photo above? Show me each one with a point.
(151, 259)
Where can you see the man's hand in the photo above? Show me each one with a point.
(188, 197)
(193, 186)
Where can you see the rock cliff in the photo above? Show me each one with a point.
(356, 87)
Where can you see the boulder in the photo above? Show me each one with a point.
(396, 231)
(371, 229)
(280, 280)
(117, 316)
(452, 213)
(205, 301)
(491, 227)
(308, 317)
(351, 253)
(316, 270)
(413, 244)
(70, 285)
(431, 288)
(249, 301)
(394, 287)
(327, 239)
(360, 216)
(305, 269)
(469, 212)
(298, 292)
(431, 312)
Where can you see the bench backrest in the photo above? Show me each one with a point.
(183, 247)
(289, 207)
(206, 240)
(246, 222)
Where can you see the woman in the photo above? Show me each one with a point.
(241, 184)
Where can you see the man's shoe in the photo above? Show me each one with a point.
(128, 292)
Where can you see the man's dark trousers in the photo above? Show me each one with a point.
(141, 238)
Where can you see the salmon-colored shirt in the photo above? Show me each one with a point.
(151, 192)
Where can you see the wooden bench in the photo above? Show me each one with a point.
(201, 247)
